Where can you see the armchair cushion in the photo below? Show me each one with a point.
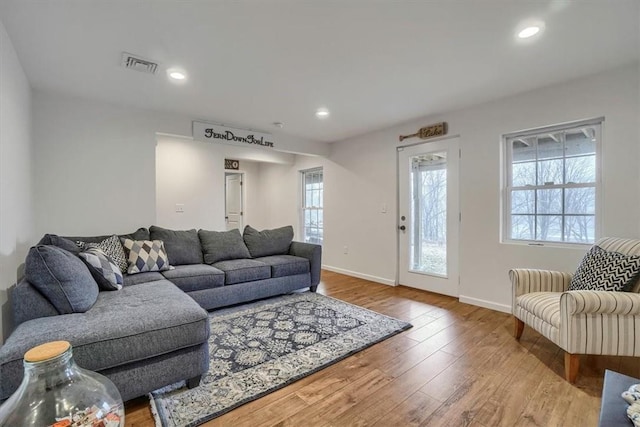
(540, 310)
(601, 270)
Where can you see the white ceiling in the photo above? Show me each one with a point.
(372, 63)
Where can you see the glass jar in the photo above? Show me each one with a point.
(56, 392)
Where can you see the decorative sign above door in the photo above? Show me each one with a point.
(208, 132)
(231, 164)
(430, 131)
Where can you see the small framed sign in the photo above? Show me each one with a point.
(231, 164)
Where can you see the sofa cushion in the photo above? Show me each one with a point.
(542, 305)
(243, 270)
(136, 279)
(268, 242)
(105, 272)
(182, 246)
(134, 324)
(602, 270)
(222, 245)
(140, 234)
(61, 242)
(285, 265)
(195, 277)
(145, 255)
(62, 278)
(112, 247)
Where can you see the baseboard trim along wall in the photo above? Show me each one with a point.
(486, 304)
(389, 282)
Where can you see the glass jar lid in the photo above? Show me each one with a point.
(46, 351)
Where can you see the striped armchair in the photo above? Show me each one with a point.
(579, 322)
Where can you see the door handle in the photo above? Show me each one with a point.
(402, 228)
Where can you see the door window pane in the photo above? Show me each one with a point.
(429, 213)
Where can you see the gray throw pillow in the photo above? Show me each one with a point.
(62, 278)
(222, 245)
(61, 242)
(268, 242)
(182, 246)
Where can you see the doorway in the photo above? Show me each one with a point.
(233, 192)
(428, 216)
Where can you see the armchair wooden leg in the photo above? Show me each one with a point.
(571, 366)
(519, 327)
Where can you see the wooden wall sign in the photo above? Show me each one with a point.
(209, 132)
(231, 164)
(430, 131)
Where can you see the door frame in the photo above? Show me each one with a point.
(400, 148)
(243, 195)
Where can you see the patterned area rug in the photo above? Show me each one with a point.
(261, 347)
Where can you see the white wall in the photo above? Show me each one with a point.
(360, 176)
(192, 173)
(16, 224)
(96, 164)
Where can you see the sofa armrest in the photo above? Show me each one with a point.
(599, 302)
(527, 280)
(28, 303)
(311, 252)
(599, 322)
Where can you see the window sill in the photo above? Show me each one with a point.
(561, 245)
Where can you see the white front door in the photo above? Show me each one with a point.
(233, 201)
(428, 216)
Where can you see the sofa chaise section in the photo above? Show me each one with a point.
(151, 332)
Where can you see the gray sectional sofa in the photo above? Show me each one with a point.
(153, 331)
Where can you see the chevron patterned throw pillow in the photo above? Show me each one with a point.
(600, 270)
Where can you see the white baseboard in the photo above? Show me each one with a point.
(486, 304)
(376, 279)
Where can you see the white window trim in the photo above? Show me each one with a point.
(303, 199)
(506, 171)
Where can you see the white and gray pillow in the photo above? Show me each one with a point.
(106, 273)
(112, 247)
(145, 255)
(601, 270)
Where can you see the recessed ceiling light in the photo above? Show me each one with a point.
(529, 32)
(177, 74)
(529, 28)
(322, 113)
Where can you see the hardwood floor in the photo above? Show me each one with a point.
(458, 366)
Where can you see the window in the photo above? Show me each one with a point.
(312, 194)
(552, 184)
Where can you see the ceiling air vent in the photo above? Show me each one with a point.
(139, 64)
